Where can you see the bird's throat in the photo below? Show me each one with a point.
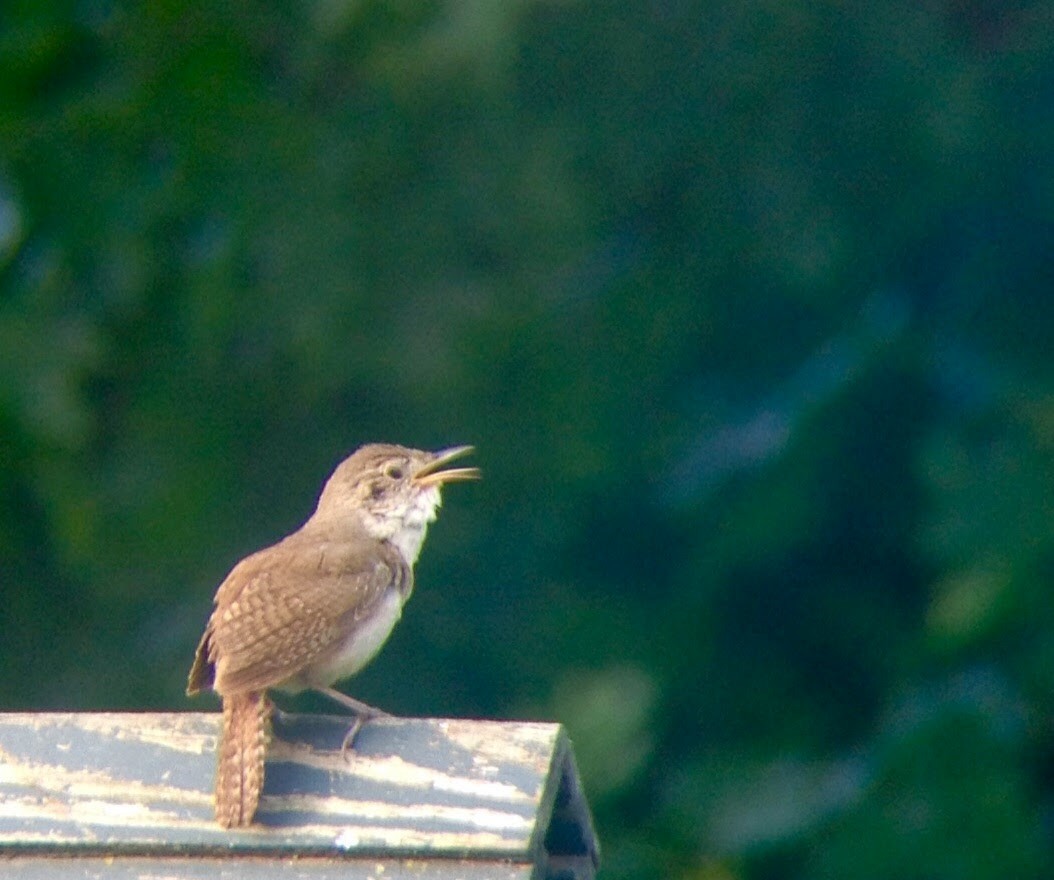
(405, 525)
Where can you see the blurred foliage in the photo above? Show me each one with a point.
(746, 307)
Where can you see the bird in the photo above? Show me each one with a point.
(316, 607)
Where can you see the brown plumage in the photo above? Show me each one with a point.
(315, 607)
(240, 768)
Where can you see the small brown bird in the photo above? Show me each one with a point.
(317, 606)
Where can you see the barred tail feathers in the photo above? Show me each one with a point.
(240, 771)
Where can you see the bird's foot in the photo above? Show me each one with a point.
(349, 738)
(362, 711)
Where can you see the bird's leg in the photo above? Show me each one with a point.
(362, 712)
(279, 715)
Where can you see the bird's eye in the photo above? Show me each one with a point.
(394, 471)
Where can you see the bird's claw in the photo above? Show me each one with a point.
(348, 743)
(349, 738)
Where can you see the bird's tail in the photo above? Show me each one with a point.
(243, 741)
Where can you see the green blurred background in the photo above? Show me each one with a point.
(746, 306)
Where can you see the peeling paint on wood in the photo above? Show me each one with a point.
(260, 869)
(135, 786)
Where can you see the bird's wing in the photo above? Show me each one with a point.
(283, 608)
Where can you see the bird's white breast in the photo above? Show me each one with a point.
(361, 645)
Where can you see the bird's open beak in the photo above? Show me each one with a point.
(433, 474)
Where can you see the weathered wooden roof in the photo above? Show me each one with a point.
(131, 794)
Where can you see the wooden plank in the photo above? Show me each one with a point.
(141, 868)
(141, 784)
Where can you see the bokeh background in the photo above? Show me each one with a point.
(746, 306)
